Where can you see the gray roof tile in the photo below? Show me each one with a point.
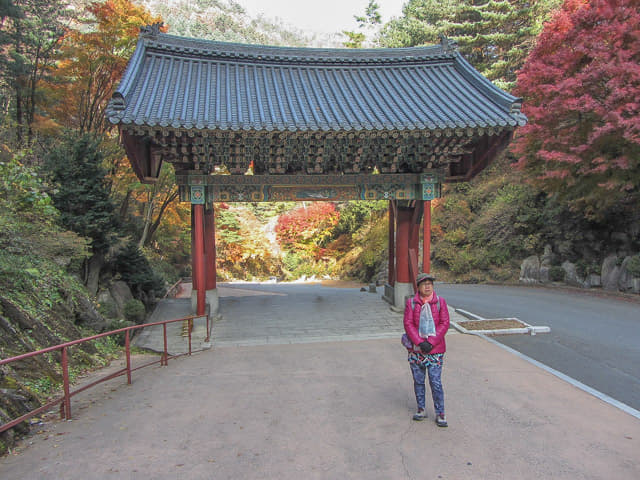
(187, 83)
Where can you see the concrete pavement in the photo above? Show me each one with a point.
(312, 382)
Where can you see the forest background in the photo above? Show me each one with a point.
(76, 225)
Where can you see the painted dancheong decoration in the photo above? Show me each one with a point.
(265, 188)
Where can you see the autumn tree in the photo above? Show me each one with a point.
(581, 86)
(29, 38)
(243, 249)
(157, 198)
(91, 61)
(307, 227)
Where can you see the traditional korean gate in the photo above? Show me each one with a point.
(259, 123)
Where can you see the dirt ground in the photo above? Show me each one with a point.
(498, 324)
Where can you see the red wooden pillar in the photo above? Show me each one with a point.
(198, 258)
(392, 244)
(414, 240)
(402, 244)
(210, 247)
(194, 280)
(426, 238)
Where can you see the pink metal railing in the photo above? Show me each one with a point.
(65, 400)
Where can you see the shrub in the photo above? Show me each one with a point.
(354, 214)
(108, 309)
(585, 269)
(557, 274)
(134, 311)
(117, 339)
(135, 270)
(298, 264)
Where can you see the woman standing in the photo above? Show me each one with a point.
(426, 321)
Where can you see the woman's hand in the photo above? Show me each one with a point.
(425, 347)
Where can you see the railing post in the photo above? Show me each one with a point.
(190, 328)
(208, 334)
(165, 355)
(128, 354)
(65, 381)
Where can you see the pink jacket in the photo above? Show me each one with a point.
(441, 320)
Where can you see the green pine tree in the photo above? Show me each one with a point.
(494, 35)
(81, 191)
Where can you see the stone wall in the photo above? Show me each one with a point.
(614, 275)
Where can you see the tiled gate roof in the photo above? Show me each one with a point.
(181, 83)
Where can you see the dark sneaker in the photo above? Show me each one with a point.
(419, 415)
(441, 420)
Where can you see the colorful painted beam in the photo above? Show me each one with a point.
(199, 189)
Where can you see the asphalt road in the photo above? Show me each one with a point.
(595, 338)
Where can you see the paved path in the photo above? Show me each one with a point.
(268, 314)
(336, 408)
(152, 338)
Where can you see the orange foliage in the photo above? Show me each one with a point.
(92, 60)
(307, 227)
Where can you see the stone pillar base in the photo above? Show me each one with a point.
(214, 303)
(401, 291)
(211, 299)
(387, 296)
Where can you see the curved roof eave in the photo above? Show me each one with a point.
(210, 85)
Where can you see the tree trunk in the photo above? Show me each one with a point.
(147, 222)
(124, 207)
(93, 273)
(154, 226)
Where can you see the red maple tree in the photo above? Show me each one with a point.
(581, 92)
(307, 227)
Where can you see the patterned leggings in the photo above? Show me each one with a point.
(419, 372)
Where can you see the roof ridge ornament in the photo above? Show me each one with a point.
(151, 31)
(448, 45)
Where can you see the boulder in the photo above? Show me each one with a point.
(121, 294)
(610, 273)
(107, 304)
(530, 269)
(547, 257)
(89, 316)
(571, 275)
(625, 280)
(544, 274)
(593, 280)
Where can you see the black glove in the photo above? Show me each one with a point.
(425, 347)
